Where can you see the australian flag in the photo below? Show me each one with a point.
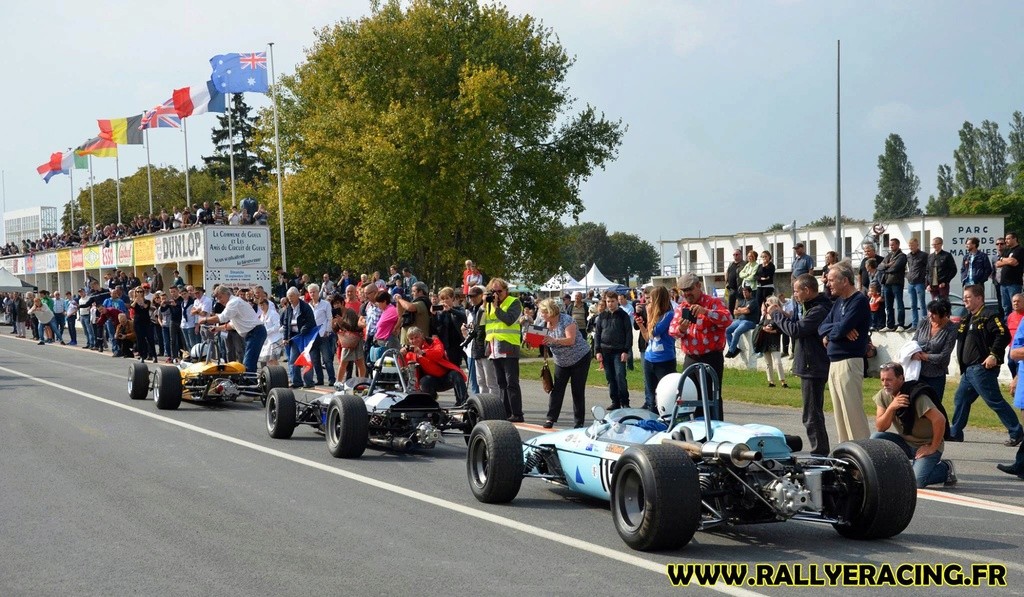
(162, 116)
(239, 73)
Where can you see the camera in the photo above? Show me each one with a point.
(489, 297)
(686, 314)
(437, 308)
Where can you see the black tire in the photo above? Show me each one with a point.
(138, 381)
(881, 493)
(482, 407)
(348, 426)
(494, 461)
(655, 497)
(280, 413)
(167, 387)
(272, 376)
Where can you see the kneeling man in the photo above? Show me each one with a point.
(911, 409)
(436, 372)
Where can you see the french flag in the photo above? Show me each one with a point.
(306, 340)
(52, 168)
(190, 101)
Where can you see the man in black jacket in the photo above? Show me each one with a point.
(613, 340)
(732, 278)
(981, 343)
(893, 271)
(811, 359)
(941, 269)
(298, 320)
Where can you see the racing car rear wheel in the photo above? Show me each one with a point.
(482, 407)
(655, 498)
(138, 381)
(348, 426)
(272, 376)
(494, 462)
(881, 493)
(280, 413)
(167, 387)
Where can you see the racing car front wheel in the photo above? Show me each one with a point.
(494, 461)
(655, 497)
(348, 426)
(272, 376)
(138, 381)
(881, 493)
(482, 407)
(280, 413)
(167, 387)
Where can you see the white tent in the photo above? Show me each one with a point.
(558, 282)
(595, 280)
(11, 283)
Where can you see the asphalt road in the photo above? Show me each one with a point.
(100, 495)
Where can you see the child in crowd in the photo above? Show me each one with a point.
(876, 303)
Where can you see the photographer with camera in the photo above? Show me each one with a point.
(415, 312)
(503, 335)
(446, 323)
(436, 372)
(481, 369)
(699, 323)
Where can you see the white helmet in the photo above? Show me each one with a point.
(668, 389)
(198, 352)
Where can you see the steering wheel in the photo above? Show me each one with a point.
(630, 418)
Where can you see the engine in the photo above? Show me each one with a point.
(223, 388)
(788, 496)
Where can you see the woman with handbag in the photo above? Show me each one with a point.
(350, 344)
(767, 339)
(572, 362)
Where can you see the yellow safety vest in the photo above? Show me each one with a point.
(496, 328)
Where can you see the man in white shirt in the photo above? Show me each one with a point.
(239, 315)
(326, 343)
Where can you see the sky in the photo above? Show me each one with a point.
(730, 106)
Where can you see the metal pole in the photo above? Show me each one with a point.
(231, 144)
(839, 192)
(71, 178)
(149, 175)
(3, 183)
(92, 194)
(277, 150)
(117, 185)
(188, 193)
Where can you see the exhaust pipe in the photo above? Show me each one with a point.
(395, 443)
(738, 455)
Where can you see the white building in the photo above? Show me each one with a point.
(30, 224)
(709, 257)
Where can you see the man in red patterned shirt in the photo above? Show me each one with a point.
(699, 323)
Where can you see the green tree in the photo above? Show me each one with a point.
(992, 148)
(248, 166)
(775, 227)
(967, 160)
(991, 201)
(831, 221)
(168, 193)
(939, 206)
(631, 256)
(897, 183)
(434, 131)
(1016, 151)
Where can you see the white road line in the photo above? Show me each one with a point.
(581, 545)
(967, 557)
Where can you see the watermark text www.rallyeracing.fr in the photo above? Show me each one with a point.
(838, 575)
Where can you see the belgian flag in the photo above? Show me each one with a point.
(122, 131)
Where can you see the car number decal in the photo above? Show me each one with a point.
(607, 470)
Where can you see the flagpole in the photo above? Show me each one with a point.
(231, 144)
(149, 175)
(188, 193)
(3, 183)
(92, 194)
(117, 184)
(277, 150)
(71, 177)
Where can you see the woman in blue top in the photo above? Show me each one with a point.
(660, 356)
(572, 361)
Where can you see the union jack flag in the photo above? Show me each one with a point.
(254, 60)
(162, 116)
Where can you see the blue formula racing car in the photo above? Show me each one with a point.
(671, 475)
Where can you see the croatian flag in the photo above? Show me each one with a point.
(307, 340)
(197, 99)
